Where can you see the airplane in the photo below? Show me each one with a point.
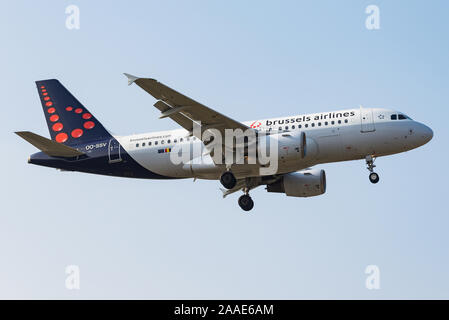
(79, 142)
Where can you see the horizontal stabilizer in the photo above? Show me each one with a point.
(49, 147)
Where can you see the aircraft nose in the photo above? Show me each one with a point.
(425, 133)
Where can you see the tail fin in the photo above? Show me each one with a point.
(69, 122)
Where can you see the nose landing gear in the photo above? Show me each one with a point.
(373, 177)
(245, 201)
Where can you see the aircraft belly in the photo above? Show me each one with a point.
(162, 164)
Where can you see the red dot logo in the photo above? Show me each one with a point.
(44, 90)
(61, 137)
(87, 116)
(42, 87)
(54, 118)
(255, 124)
(57, 126)
(51, 110)
(45, 94)
(69, 108)
(78, 110)
(46, 98)
(77, 133)
(89, 124)
(49, 104)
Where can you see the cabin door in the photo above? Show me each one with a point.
(367, 120)
(114, 151)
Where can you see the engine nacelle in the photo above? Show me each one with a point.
(305, 183)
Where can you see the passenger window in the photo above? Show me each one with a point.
(280, 128)
(162, 142)
(168, 141)
(394, 117)
(313, 124)
(306, 125)
(137, 145)
(143, 144)
(300, 126)
(181, 140)
(319, 124)
(286, 128)
(176, 140)
(326, 123)
(346, 120)
(402, 117)
(339, 121)
(155, 142)
(332, 122)
(149, 143)
(293, 127)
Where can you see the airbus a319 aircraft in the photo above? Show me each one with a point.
(79, 142)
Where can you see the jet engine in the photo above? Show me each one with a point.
(305, 183)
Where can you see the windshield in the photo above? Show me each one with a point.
(400, 116)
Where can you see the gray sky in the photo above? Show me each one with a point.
(248, 60)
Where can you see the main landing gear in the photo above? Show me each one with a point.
(245, 201)
(228, 180)
(373, 177)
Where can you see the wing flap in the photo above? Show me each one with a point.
(49, 147)
(177, 117)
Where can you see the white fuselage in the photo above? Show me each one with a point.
(332, 136)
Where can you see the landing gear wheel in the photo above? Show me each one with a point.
(373, 177)
(228, 180)
(245, 202)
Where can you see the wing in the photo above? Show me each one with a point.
(184, 110)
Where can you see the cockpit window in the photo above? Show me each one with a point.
(402, 117)
(394, 117)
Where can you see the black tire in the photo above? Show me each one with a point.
(228, 180)
(373, 177)
(246, 203)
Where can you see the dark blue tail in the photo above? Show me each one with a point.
(68, 120)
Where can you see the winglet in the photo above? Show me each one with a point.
(131, 78)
